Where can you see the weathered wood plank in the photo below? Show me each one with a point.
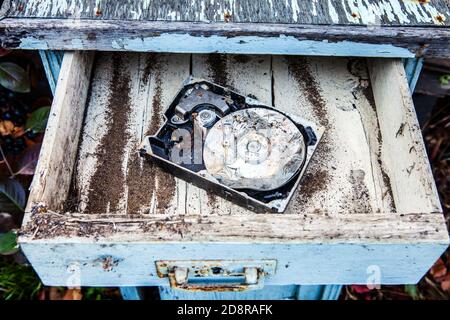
(361, 12)
(133, 264)
(52, 179)
(344, 175)
(128, 96)
(267, 293)
(249, 38)
(243, 228)
(51, 61)
(403, 150)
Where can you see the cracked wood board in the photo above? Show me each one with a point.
(369, 28)
(312, 234)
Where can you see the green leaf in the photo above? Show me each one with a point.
(8, 243)
(38, 119)
(412, 291)
(444, 80)
(12, 196)
(14, 77)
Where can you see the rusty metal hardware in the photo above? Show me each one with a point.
(216, 275)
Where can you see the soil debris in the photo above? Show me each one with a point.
(300, 69)
(144, 178)
(218, 66)
(107, 182)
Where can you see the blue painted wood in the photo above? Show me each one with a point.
(131, 293)
(413, 67)
(52, 61)
(328, 292)
(267, 293)
(285, 45)
(290, 292)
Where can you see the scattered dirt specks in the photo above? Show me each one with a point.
(300, 69)
(151, 62)
(144, 177)
(317, 176)
(107, 182)
(218, 66)
(360, 198)
(212, 202)
(358, 68)
(140, 181)
(312, 183)
(241, 58)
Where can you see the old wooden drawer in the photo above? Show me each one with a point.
(367, 210)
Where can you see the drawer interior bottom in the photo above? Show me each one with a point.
(130, 91)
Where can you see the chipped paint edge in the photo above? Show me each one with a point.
(186, 43)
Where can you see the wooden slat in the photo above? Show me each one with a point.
(53, 175)
(249, 38)
(132, 262)
(239, 228)
(322, 12)
(403, 150)
(129, 95)
(267, 293)
(344, 175)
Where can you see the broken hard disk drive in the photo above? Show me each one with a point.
(232, 145)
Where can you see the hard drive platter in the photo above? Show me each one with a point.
(234, 146)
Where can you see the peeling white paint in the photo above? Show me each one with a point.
(435, 14)
(295, 10)
(314, 9)
(172, 15)
(202, 15)
(367, 12)
(401, 16)
(353, 14)
(417, 11)
(77, 44)
(333, 13)
(33, 43)
(181, 43)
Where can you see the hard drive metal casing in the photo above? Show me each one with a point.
(157, 147)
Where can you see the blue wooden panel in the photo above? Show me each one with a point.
(328, 292)
(131, 293)
(284, 45)
(413, 67)
(267, 293)
(292, 292)
(52, 64)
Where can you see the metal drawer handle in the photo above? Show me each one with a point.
(179, 279)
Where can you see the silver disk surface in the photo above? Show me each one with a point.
(255, 148)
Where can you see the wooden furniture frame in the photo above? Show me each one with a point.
(414, 229)
(418, 236)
